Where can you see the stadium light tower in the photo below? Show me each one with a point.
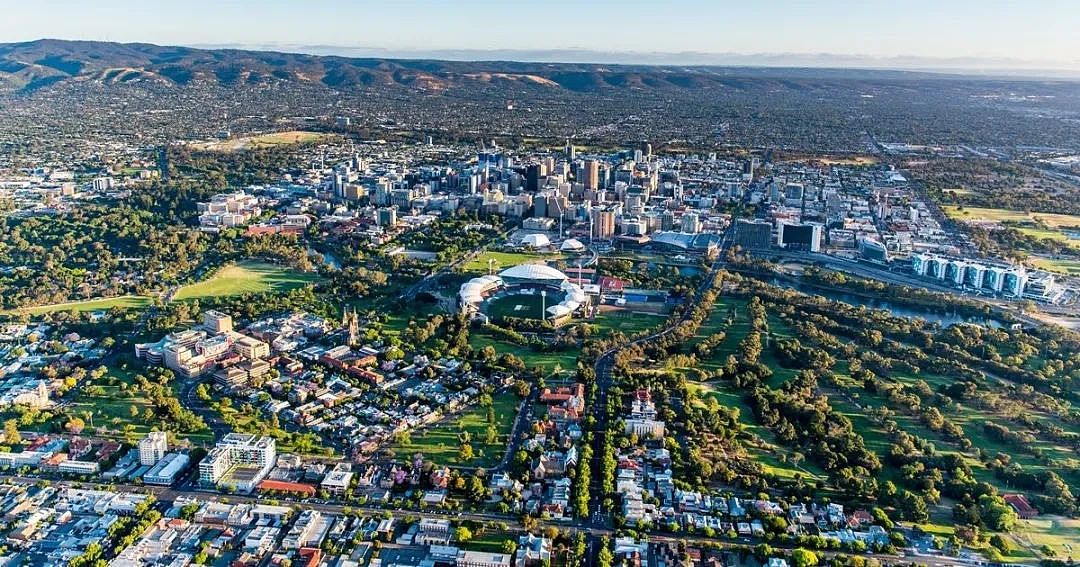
(490, 262)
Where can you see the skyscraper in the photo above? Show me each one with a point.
(603, 224)
(590, 176)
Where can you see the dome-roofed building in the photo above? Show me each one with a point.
(524, 278)
(536, 241)
(572, 245)
(533, 273)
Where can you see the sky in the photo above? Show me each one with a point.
(1020, 33)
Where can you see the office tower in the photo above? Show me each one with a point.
(152, 448)
(590, 177)
(667, 221)
(386, 217)
(753, 234)
(691, 223)
(217, 322)
(532, 178)
(800, 236)
(603, 224)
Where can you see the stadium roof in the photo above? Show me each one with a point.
(534, 272)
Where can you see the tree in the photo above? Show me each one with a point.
(463, 534)
(509, 547)
(11, 432)
(75, 425)
(465, 452)
(605, 558)
(803, 557)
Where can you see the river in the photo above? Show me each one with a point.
(944, 317)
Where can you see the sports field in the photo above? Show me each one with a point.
(521, 305)
(246, 277)
(264, 140)
(975, 214)
(100, 304)
(1070, 267)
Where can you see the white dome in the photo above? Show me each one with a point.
(536, 241)
(572, 245)
(534, 272)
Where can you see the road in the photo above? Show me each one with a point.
(596, 534)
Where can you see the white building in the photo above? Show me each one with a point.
(251, 455)
(153, 447)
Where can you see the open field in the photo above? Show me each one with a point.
(504, 260)
(1060, 534)
(974, 214)
(264, 140)
(520, 305)
(246, 277)
(1070, 267)
(100, 304)
(439, 442)
(546, 360)
(1048, 234)
(235, 279)
(626, 320)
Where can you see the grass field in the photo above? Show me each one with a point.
(972, 214)
(100, 304)
(627, 321)
(264, 140)
(503, 260)
(546, 360)
(1060, 534)
(235, 279)
(439, 442)
(246, 277)
(520, 305)
(1070, 267)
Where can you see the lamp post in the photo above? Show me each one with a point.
(543, 304)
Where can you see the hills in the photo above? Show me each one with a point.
(32, 65)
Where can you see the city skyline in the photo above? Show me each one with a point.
(956, 35)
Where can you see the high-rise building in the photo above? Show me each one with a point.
(217, 322)
(691, 223)
(235, 451)
(753, 234)
(603, 224)
(800, 236)
(153, 447)
(590, 176)
(386, 217)
(532, 177)
(667, 221)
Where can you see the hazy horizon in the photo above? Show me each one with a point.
(968, 35)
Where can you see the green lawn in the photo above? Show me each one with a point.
(520, 305)
(1070, 267)
(970, 214)
(627, 321)
(439, 442)
(235, 279)
(503, 260)
(546, 360)
(99, 304)
(246, 277)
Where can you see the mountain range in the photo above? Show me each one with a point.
(31, 65)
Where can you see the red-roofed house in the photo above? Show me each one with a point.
(1020, 503)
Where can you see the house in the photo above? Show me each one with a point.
(532, 551)
(1020, 504)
